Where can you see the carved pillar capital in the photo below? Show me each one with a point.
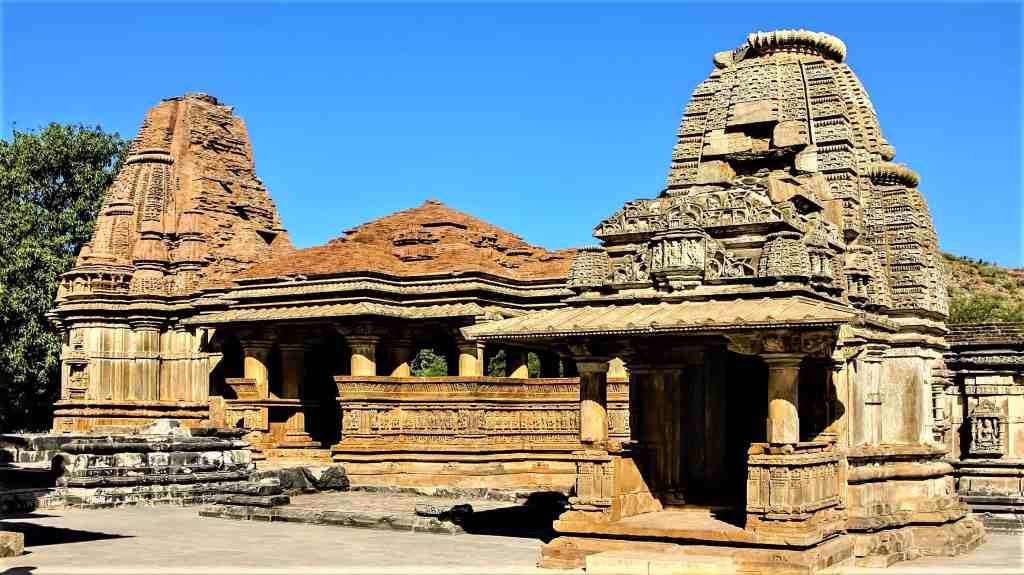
(816, 343)
(358, 328)
(293, 347)
(471, 357)
(363, 344)
(364, 353)
(783, 360)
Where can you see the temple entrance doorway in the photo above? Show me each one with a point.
(697, 424)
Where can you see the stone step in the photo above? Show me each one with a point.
(640, 563)
(251, 500)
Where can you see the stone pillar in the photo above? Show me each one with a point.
(256, 352)
(593, 401)
(401, 355)
(783, 396)
(293, 375)
(471, 356)
(617, 369)
(143, 382)
(515, 364)
(293, 369)
(364, 354)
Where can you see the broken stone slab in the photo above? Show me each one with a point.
(12, 543)
(397, 522)
(254, 488)
(167, 427)
(330, 478)
(252, 500)
(291, 479)
(455, 514)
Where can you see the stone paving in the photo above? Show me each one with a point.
(169, 540)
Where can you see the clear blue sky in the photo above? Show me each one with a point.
(542, 119)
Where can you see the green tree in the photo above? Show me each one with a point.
(496, 366)
(984, 308)
(428, 363)
(51, 187)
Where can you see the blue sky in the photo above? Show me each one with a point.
(542, 119)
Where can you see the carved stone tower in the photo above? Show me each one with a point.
(184, 214)
(781, 178)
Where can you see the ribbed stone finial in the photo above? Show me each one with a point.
(800, 41)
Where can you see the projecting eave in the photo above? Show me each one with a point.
(334, 311)
(683, 317)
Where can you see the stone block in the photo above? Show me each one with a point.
(253, 488)
(165, 427)
(715, 172)
(690, 565)
(308, 516)
(211, 458)
(330, 478)
(158, 459)
(292, 479)
(238, 456)
(720, 143)
(130, 460)
(657, 563)
(12, 543)
(807, 160)
(790, 133)
(252, 500)
(617, 563)
(184, 458)
(759, 112)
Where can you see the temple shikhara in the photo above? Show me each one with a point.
(750, 367)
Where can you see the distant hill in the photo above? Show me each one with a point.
(983, 292)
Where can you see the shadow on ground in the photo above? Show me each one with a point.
(38, 535)
(533, 519)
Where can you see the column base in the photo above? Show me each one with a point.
(297, 440)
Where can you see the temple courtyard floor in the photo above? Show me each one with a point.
(176, 540)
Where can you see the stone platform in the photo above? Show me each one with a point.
(406, 511)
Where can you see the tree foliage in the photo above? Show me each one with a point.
(428, 363)
(984, 308)
(51, 187)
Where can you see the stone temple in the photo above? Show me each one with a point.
(751, 366)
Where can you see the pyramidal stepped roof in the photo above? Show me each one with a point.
(426, 240)
(186, 210)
